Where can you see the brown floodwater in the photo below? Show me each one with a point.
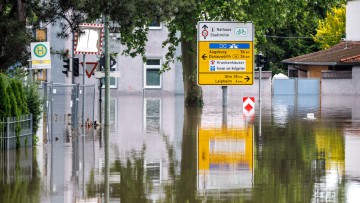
(292, 149)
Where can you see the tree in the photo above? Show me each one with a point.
(331, 29)
(291, 35)
(15, 37)
(293, 21)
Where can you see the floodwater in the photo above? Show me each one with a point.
(292, 149)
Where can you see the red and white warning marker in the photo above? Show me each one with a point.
(90, 68)
(248, 106)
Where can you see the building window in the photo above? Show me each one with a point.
(152, 115)
(155, 25)
(152, 78)
(153, 171)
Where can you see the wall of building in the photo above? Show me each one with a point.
(352, 20)
(342, 86)
(315, 71)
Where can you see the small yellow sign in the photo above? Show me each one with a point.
(225, 63)
(34, 62)
(40, 35)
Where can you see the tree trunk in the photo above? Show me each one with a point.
(193, 92)
(186, 188)
(21, 16)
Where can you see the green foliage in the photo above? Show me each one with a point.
(283, 28)
(331, 29)
(34, 103)
(15, 37)
(20, 96)
(5, 105)
(17, 99)
(15, 108)
(285, 31)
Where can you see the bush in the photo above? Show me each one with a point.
(5, 106)
(34, 103)
(20, 96)
(17, 99)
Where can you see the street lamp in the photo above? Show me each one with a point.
(260, 61)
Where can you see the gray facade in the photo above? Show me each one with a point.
(342, 86)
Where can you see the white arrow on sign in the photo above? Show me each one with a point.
(113, 74)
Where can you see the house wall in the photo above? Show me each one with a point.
(300, 73)
(352, 21)
(131, 81)
(342, 86)
(315, 71)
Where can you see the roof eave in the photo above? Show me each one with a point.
(311, 63)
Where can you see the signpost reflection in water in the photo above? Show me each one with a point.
(160, 151)
(225, 159)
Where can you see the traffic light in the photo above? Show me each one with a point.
(66, 66)
(260, 60)
(76, 67)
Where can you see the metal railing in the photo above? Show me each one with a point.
(64, 102)
(8, 134)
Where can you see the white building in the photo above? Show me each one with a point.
(137, 77)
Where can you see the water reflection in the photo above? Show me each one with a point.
(19, 176)
(160, 151)
(225, 159)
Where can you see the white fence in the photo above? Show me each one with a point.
(8, 137)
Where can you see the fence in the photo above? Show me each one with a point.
(299, 86)
(67, 105)
(8, 137)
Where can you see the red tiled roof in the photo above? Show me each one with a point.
(342, 53)
(353, 59)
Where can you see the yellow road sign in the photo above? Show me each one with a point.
(225, 63)
(225, 53)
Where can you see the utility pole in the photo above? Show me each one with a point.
(107, 108)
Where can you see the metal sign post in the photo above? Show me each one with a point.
(88, 41)
(225, 54)
(84, 93)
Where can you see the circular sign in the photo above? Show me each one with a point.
(204, 33)
(40, 50)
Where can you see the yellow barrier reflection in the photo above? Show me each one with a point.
(330, 161)
(225, 158)
(330, 147)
